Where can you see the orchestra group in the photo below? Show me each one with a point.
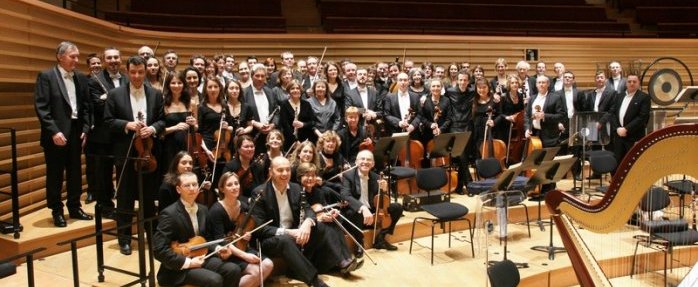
(277, 162)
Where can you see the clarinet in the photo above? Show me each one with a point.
(304, 205)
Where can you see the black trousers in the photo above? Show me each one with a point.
(394, 210)
(284, 246)
(213, 273)
(621, 146)
(60, 159)
(127, 194)
(100, 167)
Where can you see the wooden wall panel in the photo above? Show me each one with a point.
(32, 29)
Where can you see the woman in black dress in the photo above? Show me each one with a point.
(238, 112)
(296, 116)
(335, 88)
(211, 121)
(481, 105)
(511, 103)
(221, 222)
(179, 120)
(250, 170)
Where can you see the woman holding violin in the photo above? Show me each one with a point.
(360, 188)
(331, 160)
(179, 119)
(249, 170)
(238, 111)
(181, 162)
(435, 112)
(337, 255)
(296, 116)
(227, 217)
(213, 126)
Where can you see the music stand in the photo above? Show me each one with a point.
(586, 132)
(450, 144)
(688, 94)
(550, 172)
(499, 198)
(385, 153)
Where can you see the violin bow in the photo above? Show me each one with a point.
(326, 208)
(237, 239)
(322, 57)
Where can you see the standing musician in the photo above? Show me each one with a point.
(512, 103)
(500, 80)
(461, 97)
(124, 104)
(294, 233)
(213, 126)
(249, 171)
(428, 115)
(365, 98)
(418, 79)
(353, 135)
(263, 103)
(599, 100)
(224, 219)
(483, 106)
(179, 223)
(336, 255)
(194, 79)
(178, 117)
(544, 112)
(528, 84)
(401, 108)
(628, 117)
(335, 86)
(99, 145)
(238, 112)
(572, 102)
(325, 110)
(360, 187)
(296, 117)
(61, 101)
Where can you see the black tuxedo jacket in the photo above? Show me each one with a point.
(267, 208)
(98, 84)
(392, 111)
(554, 114)
(375, 103)
(607, 99)
(52, 104)
(249, 99)
(578, 103)
(118, 113)
(351, 189)
(621, 86)
(174, 224)
(636, 116)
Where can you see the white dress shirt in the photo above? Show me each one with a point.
(285, 211)
(68, 80)
(260, 99)
(624, 107)
(363, 92)
(597, 100)
(364, 190)
(138, 103)
(403, 103)
(539, 101)
(569, 100)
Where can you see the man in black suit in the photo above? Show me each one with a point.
(364, 97)
(289, 61)
(359, 187)
(616, 79)
(133, 110)
(263, 103)
(600, 100)
(544, 113)
(293, 233)
(180, 222)
(61, 101)
(628, 117)
(99, 148)
(401, 108)
(572, 101)
(311, 76)
(461, 97)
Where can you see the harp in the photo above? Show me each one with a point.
(655, 156)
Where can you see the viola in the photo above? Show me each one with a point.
(244, 224)
(492, 147)
(194, 147)
(144, 146)
(224, 136)
(370, 133)
(245, 175)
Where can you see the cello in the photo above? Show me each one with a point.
(411, 157)
(492, 147)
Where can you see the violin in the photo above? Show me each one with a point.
(370, 133)
(245, 175)
(244, 224)
(224, 137)
(194, 146)
(144, 146)
(196, 246)
(492, 147)
(381, 202)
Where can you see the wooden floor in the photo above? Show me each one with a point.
(453, 266)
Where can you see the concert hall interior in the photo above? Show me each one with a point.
(348, 143)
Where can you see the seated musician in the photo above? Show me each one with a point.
(175, 226)
(353, 135)
(224, 219)
(303, 153)
(274, 144)
(336, 255)
(359, 189)
(331, 160)
(293, 233)
(249, 170)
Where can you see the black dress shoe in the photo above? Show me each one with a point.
(90, 198)
(59, 220)
(109, 214)
(347, 265)
(79, 214)
(578, 177)
(125, 249)
(384, 245)
(359, 253)
(317, 282)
